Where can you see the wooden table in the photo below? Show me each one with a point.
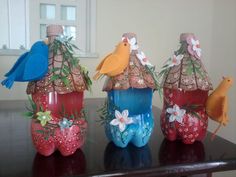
(99, 157)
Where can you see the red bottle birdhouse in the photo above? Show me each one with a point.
(58, 98)
(185, 91)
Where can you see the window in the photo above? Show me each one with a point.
(76, 16)
(13, 21)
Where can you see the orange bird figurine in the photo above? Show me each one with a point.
(217, 103)
(114, 63)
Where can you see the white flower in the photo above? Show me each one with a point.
(143, 59)
(117, 84)
(121, 120)
(141, 81)
(132, 42)
(196, 47)
(176, 114)
(176, 60)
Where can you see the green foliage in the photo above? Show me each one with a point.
(86, 77)
(191, 109)
(63, 46)
(31, 110)
(156, 78)
(106, 112)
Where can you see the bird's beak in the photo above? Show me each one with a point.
(46, 41)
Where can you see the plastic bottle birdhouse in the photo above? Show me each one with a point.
(185, 85)
(127, 113)
(57, 99)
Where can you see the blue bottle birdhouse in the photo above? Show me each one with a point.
(127, 114)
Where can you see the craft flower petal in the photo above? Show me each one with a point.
(175, 60)
(121, 120)
(141, 81)
(65, 123)
(143, 59)
(44, 117)
(61, 38)
(194, 47)
(176, 114)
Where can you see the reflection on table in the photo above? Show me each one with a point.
(116, 158)
(58, 165)
(173, 152)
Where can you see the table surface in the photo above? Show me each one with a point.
(100, 157)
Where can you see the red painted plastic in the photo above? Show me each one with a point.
(68, 140)
(192, 128)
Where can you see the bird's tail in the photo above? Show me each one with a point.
(97, 76)
(8, 82)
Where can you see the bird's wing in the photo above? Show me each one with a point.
(18, 62)
(111, 63)
(217, 110)
(101, 63)
(36, 67)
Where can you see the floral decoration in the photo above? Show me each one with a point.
(62, 44)
(44, 117)
(176, 60)
(194, 47)
(121, 120)
(140, 55)
(65, 123)
(143, 59)
(176, 114)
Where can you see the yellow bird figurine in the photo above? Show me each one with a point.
(114, 63)
(217, 103)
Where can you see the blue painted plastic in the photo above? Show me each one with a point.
(139, 104)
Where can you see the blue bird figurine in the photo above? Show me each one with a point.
(30, 66)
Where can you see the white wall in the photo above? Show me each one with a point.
(223, 55)
(158, 24)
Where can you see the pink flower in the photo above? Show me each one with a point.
(194, 47)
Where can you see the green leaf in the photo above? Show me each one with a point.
(54, 69)
(28, 114)
(195, 114)
(189, 70)
(160, 92)
(199, 72)
(32, 103)
(66, 81)
(40, 108)
(40, 131)
(65, 71)
(70, 38)
(46, 137)
(54, 77)
(72, 116)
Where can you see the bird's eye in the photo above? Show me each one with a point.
(228, 80)
(125, 44)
